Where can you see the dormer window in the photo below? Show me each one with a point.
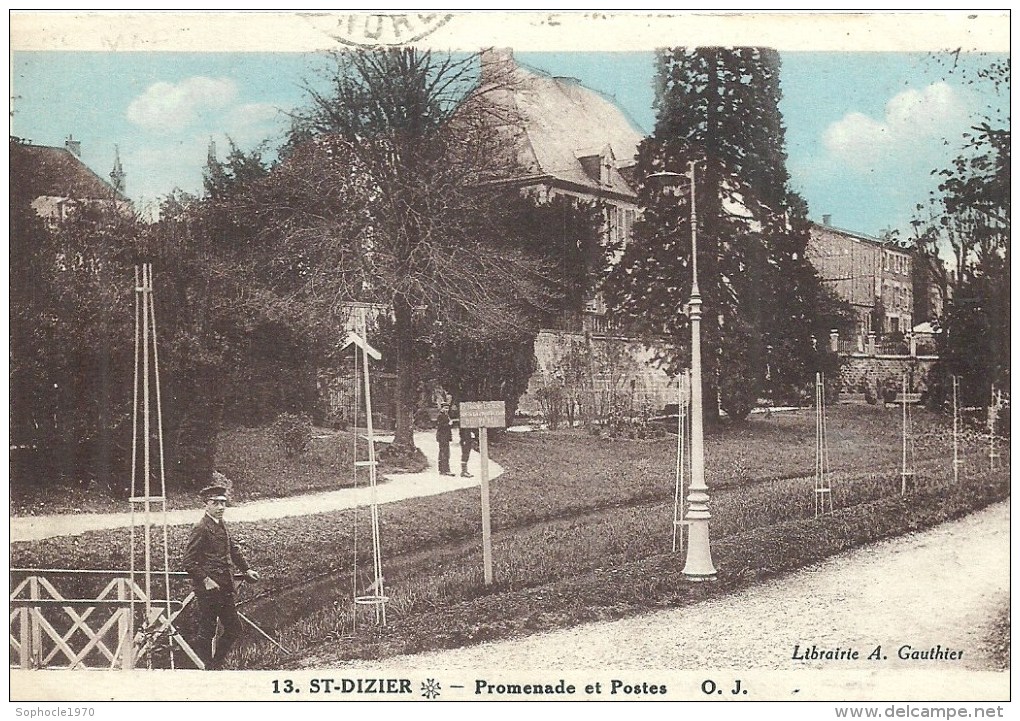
(598, 164)
(591, 165)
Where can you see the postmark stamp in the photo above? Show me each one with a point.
(377, 30)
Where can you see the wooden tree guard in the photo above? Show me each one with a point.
(907, 473)
(375, 594)
(823, 488)
(956, 429)
(993, 416)
(150, 495)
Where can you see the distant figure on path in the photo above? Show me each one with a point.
(444, 434)
(467, 442)
(207, 559)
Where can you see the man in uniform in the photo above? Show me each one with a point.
(207, 560)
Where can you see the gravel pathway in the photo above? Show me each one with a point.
(942, 587)
(396, 487)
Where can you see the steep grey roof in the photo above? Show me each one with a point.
(56, 172)
(567, 126)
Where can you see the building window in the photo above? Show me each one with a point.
(621, 225)
(628, 226)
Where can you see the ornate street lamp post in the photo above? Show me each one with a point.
(698, 565)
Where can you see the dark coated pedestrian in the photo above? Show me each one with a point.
(207, 559)
(444, 435)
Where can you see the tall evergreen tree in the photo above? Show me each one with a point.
(719, 107)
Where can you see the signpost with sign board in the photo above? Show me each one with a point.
(484, 415)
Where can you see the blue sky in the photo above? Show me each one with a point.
(864, 130)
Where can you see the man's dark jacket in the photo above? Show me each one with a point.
(209, 553)
(443, 432)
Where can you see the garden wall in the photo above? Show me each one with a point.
(857, 370)
(582, 376)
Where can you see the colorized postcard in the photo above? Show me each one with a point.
(511, 356)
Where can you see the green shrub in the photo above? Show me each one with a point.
(869, 393)
(293, 432)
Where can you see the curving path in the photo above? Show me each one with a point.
(944, 586)
(396, 487)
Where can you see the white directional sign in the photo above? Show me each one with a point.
(483, 414)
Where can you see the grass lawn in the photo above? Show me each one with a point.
(255, 461)
(252, 458)
(259, 468)
(582, 530)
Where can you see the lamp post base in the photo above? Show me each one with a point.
(698, 565)
(691, 578)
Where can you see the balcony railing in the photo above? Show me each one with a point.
(870, 345)
(594, 323)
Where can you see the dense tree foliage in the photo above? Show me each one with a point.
(719, 107)
(564, 236)
(566, 233)
(970, 215)
(71, 348)
(230, 346)
(237, 352)
(976, 342)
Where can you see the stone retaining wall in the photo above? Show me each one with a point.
(596, 375)
(874, 371)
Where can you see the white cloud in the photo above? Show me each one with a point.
(174, 106)
(254, 113)
(252, 123)
(913, 119)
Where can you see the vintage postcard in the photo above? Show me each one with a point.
(511, 356)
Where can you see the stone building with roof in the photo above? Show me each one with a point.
(873, 275)
(57, 179)
(572, 140)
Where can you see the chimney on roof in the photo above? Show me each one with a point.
(827, 219)
(73, 146)
(497, 65)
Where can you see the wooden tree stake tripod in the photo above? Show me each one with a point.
(823, 487)
(152, 499)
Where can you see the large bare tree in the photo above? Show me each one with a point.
(392, 192)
